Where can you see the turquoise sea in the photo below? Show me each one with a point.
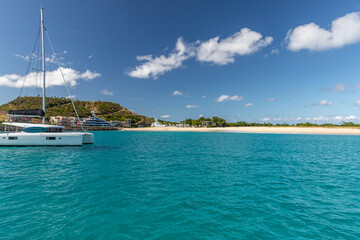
(179, 185)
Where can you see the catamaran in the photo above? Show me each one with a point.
(31, 134)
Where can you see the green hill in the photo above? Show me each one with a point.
(63, 107)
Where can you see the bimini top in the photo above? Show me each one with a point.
(27, 113)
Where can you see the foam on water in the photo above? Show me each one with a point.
(174, 185)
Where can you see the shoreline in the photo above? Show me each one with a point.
(273, 130)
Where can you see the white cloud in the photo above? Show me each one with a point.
(350, 117)
(357, 102)
(72, 97)
(203, 96)
(154, 67)
(25, 58)
(214, 50)
(88, 75)
(107, 92)
(65, 52)
(191, 106)
(53, 78)
(222, 52)
(344, 31)
(344, 118)
(48, 59)
(321, 118)
(224, 98)
(270, 99)
(201, 115)
(90, 57)
(248, 105)
(277, 119)
(338, 118)
(275, 52)
(323, 103)
(340, 87)
(177, 93)
(265, 119)
(165, 116)
(52, 59)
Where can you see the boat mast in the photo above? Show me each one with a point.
(43, 59)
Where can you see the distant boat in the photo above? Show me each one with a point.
(41, 134)
(94, 121)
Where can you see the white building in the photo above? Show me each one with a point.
(157, 124)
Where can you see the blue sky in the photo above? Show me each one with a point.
(272, 61)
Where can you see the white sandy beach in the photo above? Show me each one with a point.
(278, 130)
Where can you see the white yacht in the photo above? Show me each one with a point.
(30, 134)
(94, 121)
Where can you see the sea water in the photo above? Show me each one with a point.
(180, 185)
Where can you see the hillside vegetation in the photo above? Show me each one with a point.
(63, 107)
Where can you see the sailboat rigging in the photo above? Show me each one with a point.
(43, 134)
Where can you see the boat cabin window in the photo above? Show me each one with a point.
(13, 138)
(54, 130)
(50, 138)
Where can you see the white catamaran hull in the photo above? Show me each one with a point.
(41, 139)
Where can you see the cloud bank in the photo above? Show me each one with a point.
(214, 50)
(344, 31)
(53, 78)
